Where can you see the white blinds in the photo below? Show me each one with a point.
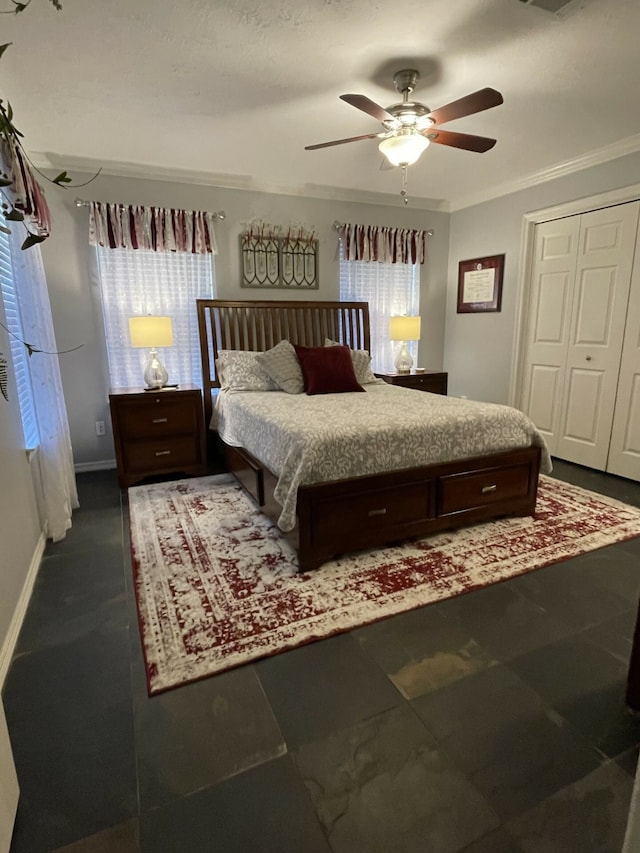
(19, 356)
(390, 290)
(138, 282)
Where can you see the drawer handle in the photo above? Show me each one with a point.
(159, 420)
(163, 452)
(487, 489)
(382, 511)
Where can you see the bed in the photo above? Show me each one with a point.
(387, 496)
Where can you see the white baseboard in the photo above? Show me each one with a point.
(6, 652)
(100, 465)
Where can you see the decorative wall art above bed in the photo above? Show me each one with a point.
(271, 256)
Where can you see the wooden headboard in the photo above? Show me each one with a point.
(258, 326)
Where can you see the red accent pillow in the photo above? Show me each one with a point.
(327, 370)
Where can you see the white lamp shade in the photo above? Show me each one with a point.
(151, 332)
(404, 328)
(403, 149)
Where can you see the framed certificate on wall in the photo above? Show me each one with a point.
(480, 284)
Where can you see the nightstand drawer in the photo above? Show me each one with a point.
(152, 456)
(432, 381)
(166, 417)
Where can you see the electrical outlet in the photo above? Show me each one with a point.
(100, 428)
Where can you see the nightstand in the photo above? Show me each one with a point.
(157, 432)
(433, 381)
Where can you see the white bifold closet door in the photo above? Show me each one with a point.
(580, 288)
(624, 451)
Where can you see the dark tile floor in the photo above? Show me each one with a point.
(489, 723)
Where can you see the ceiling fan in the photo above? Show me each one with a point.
(409, 126)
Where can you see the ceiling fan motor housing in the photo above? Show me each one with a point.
(408, 114)
(406, 80)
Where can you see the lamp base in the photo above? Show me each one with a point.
(403, 362)
(155, 373)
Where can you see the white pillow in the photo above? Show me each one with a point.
(282, 365)
(361, 364)
(239, 370)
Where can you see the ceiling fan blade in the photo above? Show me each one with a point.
(478, 101)
(365, 104)
(342, 141)
(468, 141)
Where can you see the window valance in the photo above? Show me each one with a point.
(160, 229)
(27, 193)
(382, 244)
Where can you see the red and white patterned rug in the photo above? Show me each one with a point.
(217, 585)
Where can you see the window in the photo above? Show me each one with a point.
(135, 282)
(19, 354)
(391, 290)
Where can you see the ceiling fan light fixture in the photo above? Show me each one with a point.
(403, 149)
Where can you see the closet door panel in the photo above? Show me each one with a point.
(599, 308)
(624, 452)
(555, 254)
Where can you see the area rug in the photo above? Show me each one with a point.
(217, 584)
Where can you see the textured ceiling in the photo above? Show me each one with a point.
(230, 91)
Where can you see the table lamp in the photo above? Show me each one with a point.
(151, 333)
(404, 329)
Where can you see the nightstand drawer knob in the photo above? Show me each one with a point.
(159, 420)
(487, 489)
(163, 453)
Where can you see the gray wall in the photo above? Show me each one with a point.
(19, 521)
(479, 347)
(73, 290)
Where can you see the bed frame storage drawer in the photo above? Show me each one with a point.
(471, 490)
(246, 470)
(379, 510)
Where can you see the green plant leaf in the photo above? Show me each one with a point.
(5, 230)
(5, 182)
(32, 240)
(3, 47)
(14, 215)
(62, 178)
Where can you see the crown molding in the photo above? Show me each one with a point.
(235, 182)
(630, 145)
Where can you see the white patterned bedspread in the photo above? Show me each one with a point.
(312, 439)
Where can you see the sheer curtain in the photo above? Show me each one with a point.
(59, 494)
(391, 290)
(152, 260)
(381, 265)
(141, 281)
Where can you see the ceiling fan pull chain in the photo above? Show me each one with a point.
(403, 191)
